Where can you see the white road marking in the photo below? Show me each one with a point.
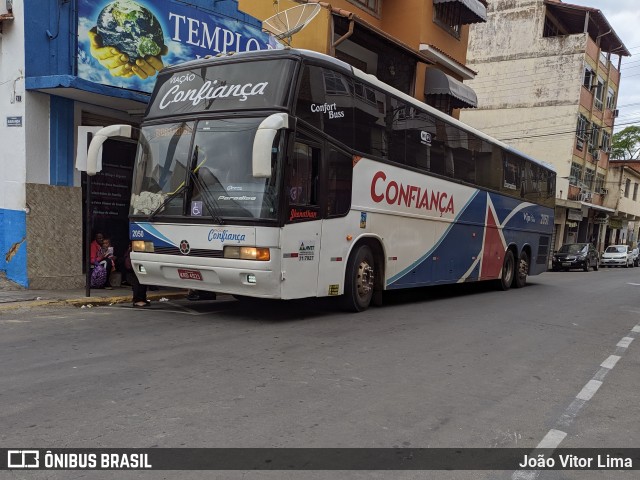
(589, 390)
(610, 362)
(525, 475)
(552, 439)
(625, 342)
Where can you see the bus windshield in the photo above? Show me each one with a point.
(203, 169)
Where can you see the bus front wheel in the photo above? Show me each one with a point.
(508, 270)
(359, 280)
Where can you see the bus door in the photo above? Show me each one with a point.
(303, 225)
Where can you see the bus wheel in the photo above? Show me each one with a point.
(359, 280)
(520, 279)
(508, 270)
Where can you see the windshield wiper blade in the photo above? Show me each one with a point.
(161, 207)
(207, 199)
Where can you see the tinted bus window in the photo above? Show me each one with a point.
(396, 124)
(325, 101)
(339, 176)
(237, 86)
(370, 132)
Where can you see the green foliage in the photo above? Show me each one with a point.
(625, 145)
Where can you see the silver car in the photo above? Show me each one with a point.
(617, 256)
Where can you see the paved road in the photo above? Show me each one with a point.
(448, 367)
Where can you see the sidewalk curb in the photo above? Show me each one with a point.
(77, 302)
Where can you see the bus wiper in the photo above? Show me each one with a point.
(207, 199)
(162, 206)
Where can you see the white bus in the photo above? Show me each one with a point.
(286, 174)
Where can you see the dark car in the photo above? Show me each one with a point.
(576, 255)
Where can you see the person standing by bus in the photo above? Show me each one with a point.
(139, 290)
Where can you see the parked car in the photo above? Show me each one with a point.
(617, 256)
(576, 255)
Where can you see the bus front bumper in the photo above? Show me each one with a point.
(239, 277)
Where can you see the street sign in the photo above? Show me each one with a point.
(14, 121)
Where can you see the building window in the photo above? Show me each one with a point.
(604, 59)
(589, 175)
(370, 5)
(627, 188)
(594, 138)
(589, 75)
(611, 99)
(581, 131)
(635, 191)
(599, 183)
(576, 173)
(599, 94)
(447, 15)
(605, 146)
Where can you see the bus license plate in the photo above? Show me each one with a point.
(189, 274)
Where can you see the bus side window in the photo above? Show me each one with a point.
(340, 172)
(302, 187)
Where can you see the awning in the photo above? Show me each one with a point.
(82, 90)
(598, 207)
(439, 83)
(471, 11)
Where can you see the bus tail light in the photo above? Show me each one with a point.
(247, 253)
(142, 246)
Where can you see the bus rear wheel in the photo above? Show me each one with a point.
(508, 270)
(359, 280)
(520, 279)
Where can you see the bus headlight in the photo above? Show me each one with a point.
(142, 246)
(247, 253)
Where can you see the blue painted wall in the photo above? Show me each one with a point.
(61, 141)
(13, 244)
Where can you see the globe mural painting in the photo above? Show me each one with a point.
(131, 28)
(122, 43)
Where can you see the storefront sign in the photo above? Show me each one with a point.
(124, 43)
(574, 215)
(601, 220)
(615, 223)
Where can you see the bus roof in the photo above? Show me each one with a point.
(288, 52)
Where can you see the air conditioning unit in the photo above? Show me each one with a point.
(585, 197)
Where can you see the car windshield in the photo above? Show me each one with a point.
(203, 169)
(616, 249)
(573, 248)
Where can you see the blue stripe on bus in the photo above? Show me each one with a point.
(158, 238)
(475, 202)
(457, 251)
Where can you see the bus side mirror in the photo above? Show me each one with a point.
(263, 143)
(95, 147)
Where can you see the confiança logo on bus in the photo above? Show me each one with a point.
(208, 91)
(412, 196)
